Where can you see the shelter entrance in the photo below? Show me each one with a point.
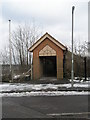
(48, 54)
(49, 66)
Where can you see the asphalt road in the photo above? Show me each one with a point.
(43, 107)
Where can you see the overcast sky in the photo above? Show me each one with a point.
(52, 16)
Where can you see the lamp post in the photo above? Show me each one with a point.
(10, 53)
(72, 72)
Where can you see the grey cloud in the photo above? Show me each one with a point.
(54, 18)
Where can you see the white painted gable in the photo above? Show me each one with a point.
(47, 51)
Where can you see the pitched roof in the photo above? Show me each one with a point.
(46, 35)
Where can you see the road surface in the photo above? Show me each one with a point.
(44, 106)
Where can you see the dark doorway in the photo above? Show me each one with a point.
(49, 66)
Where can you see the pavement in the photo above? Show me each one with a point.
(46, 107)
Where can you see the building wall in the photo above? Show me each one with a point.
(37, 71)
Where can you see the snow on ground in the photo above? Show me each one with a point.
(43, 93)
(16, 77)
(29, 87)
(25, 89)
(78, 79)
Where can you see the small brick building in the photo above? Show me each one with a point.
(48, 56)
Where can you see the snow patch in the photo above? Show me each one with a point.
(29, 87)
(16, 77)
(43, 93)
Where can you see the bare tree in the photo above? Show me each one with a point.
(82, 49)
(79, 48)
(4, 55)
(22, 38)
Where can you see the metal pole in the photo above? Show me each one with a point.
(10, 50)
(85, 70)
(72, 73)
(31, 67)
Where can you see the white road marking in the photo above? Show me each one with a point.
(62, 114)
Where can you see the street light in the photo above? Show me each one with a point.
(10, 47)
(72, 72)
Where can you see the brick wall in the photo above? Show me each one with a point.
(36, 61)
